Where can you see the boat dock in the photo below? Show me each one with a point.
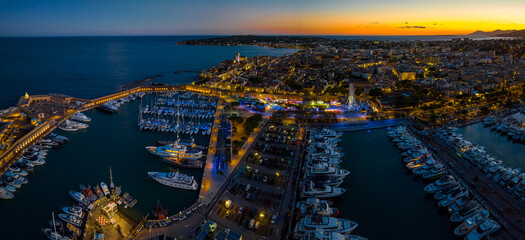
(366, 125)
(128, 200)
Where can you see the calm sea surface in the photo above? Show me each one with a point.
(90, 67)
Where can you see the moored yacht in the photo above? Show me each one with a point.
(75, 211)
(176, 150)
(315, 206)
(70, 219)
(487, 227)
(105, 188)
(175, 179)
(471, 223)
(312, 223)
(321, 191)
(439, 184)
(4, 194)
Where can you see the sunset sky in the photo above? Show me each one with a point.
(226, 17)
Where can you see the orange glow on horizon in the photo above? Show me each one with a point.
(394, 21)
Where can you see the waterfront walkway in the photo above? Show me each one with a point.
(366, 125)
(212, 182)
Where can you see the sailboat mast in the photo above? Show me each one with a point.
(111, 185)
(178, 113)
(54, 225)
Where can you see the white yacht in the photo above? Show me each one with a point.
(317, 206)
(471, 223)
(325, 169)
(80, 117)
(105, 188)
(311, 190)
(487, 227)
(177, 150)
(175, 179)
(4, 194)
(75, 211)
(439, 184)
(79, 197)
(70, 219)
(331, 224)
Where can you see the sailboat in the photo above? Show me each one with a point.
(52, 233)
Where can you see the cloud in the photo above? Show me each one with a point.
(375, 22)
(406, 22)
(413, 27)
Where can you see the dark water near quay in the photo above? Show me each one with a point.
(91, 67)
(385, 199)
(511, 153)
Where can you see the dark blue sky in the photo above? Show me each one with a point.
(185, 17)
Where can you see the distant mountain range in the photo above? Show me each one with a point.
(498, 33)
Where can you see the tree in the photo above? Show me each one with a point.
(235, 104)
(358, 91)
(375, 92)
(484, 110)
(252, 122)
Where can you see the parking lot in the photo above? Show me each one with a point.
(255, 195)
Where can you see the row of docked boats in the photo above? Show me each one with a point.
(68, 224)
(511, 126)
(88, 195)
(165, 125)
(72, 126)
(510, 179)
(473, 219)
(186, 99)
(317, 219)
(197, 111)
(193, 115)
(16, 174)
(113, 105)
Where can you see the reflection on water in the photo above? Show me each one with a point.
(511, 153)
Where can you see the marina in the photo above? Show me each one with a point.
(322, 179)
(111, 139)
(379, 181)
